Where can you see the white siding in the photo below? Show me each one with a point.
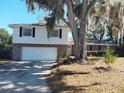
(41, 36)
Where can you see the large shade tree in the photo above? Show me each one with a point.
(74, 13)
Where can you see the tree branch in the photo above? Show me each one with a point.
(91, 5)
(71, 18)
(66, 22)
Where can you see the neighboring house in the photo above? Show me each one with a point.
(31, 42)
(95, 48)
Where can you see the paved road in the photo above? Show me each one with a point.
(24, 77)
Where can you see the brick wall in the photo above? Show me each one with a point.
(62, 50)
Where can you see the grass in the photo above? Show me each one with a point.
(91, 78)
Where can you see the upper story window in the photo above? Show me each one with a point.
(54, 33)
(27, 32)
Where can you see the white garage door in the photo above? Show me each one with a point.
(38, 53)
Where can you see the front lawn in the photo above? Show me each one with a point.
(88, 78)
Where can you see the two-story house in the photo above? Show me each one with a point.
(34, 42)
(31, 42)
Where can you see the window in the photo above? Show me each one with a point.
(54, 33)
(27, 32)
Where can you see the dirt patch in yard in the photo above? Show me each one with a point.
(89, 78)
(3, 62)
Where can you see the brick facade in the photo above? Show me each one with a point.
(62, 50)
(17, 51)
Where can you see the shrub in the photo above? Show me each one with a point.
(56, 70)
(109, 57)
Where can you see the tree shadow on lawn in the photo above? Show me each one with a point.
(74, 72)
(22, 77)
(94, 58)
(57, 86)
(103, 69)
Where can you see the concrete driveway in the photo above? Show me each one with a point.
(24, 77)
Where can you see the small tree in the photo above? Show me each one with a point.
(109, 57)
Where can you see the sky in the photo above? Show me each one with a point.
(15, 12)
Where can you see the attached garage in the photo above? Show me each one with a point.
(39, 53)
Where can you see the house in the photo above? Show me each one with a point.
(95, 48)
(32, 42)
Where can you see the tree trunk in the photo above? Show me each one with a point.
(82, 31)
(83, 40)
(79, 36)
(77, 50)
(80, 46)
(71, 18)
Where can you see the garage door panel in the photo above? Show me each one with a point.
(38, 53)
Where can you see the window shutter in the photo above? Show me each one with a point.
(90, 48)
(60, 33)
(20, 33)
(33, 33)
(99, 47)
(48, 34)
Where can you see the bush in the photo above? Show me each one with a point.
(109, 57)
(5, 44)
(5, 51)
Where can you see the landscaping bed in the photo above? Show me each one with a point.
(88, 78)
